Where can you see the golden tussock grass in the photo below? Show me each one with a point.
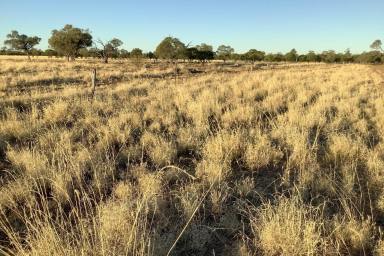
(283, 161)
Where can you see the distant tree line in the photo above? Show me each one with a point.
(72, 42)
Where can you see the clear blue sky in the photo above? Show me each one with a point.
(269, 25)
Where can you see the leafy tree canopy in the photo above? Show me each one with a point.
(224, 52)
(69, 40)
(377, 45)
(170, 48)
(292, 56)
(204, 47)
(254, 55)
(21, 42)
(312, 57)
(136, 53)
(110, 48)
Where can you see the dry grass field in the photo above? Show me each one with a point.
(229, 160)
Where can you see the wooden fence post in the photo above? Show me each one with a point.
(93, 79)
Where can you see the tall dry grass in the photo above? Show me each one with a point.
(269, 162)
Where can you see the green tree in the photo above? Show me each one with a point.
(85, 53)
(109, 49)
(204, 47)
(150, 55)
(137, 56)
(136, 53)
(93, 52)
(373, 57)
(377, 45)
(22, 42)
(302, 58)
(254, 55)
(329, 56)
(236, 56)
(205, 56)
(50, 53)
(36, 52)
(347, 56)
(124, 54)
(312, 57)
(274, 57)
(170, 48)
(269, 57)
(69, 40)
(203, 52)
(191, 53)
(224, 52)
(3, 50)
(292, 56)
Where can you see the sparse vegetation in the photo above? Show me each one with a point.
(72, 42)
(109, 48)
(285, 159)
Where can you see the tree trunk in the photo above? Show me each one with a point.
(105, 59)
(29, 56)
(68, 58)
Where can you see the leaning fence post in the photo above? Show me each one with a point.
(93, 79)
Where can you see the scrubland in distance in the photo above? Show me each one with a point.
(266, 162)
